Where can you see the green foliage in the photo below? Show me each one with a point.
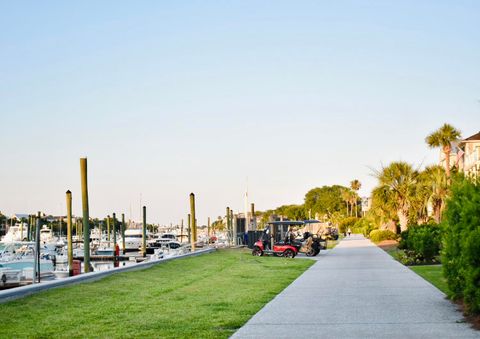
(461, 251)
(325, 200)
(292, 212)
(218, 225)
(422, 241)
(346, 223)
(380, 235)
(363, 226)
(397, 190)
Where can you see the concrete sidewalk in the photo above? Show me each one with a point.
(358, 291)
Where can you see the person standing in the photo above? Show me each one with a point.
(349, 231)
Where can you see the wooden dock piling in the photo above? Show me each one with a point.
(86, 218)
(144, 232)
(123, 233)
(193, 221)
(69, 233)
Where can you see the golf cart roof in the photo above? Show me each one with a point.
(285, 222)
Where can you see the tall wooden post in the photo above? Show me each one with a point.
(229, 235)
(86, 218)
(32, 228)
(188, 228)
(181, 231)
(108, 229)
(144, 232)
(254, 220)
(36, 264)
(208, 231)
(21, 230)
(123, 233)
(29, 227)
(114, 222)
(193, 221)
(234, 228)
(69, 233)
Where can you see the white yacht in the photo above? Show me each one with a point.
(15, 233)
(46, 235)
(133, 239)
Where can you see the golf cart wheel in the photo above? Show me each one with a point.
(257, 252)
(289, 254)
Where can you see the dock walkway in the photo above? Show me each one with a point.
(357, 290)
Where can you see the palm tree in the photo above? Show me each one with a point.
(435, 183)
(397, 189)
(346, 198)
(443, 137)
(353, 198)
(355, 185)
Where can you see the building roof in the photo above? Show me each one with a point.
(473, 137)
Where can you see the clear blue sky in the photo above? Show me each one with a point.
(166, 98)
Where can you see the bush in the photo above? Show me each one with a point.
(422, 241)
(346, 223)
(363, 226)
(380, 235)
(461, 246)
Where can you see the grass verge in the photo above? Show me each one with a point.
(433, 274)
(209, 296)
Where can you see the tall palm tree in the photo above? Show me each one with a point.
(397, 189)
(346, 198)
(353, 198)
(443, 137)
(435, 183)
(355, 185)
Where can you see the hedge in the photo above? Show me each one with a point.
(461, 248)
(380, 235)
(347, 223)
(422, 241)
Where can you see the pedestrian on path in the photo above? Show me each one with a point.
(349, 231)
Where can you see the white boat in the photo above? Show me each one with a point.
(133, 239)
(46, 235)
(9, 276)
(20, 256)
(15, 233)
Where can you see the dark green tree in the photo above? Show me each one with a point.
(326, 200)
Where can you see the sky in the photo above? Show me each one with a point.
(165, 98)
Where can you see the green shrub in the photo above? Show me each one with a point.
(346, 223)
(363, 226)
(461, 243)
(409, 258)
(422, 241)
(380, 235)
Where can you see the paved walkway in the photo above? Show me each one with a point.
(358, 291)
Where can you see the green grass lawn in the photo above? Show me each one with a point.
(209, 296)
(433, 274)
